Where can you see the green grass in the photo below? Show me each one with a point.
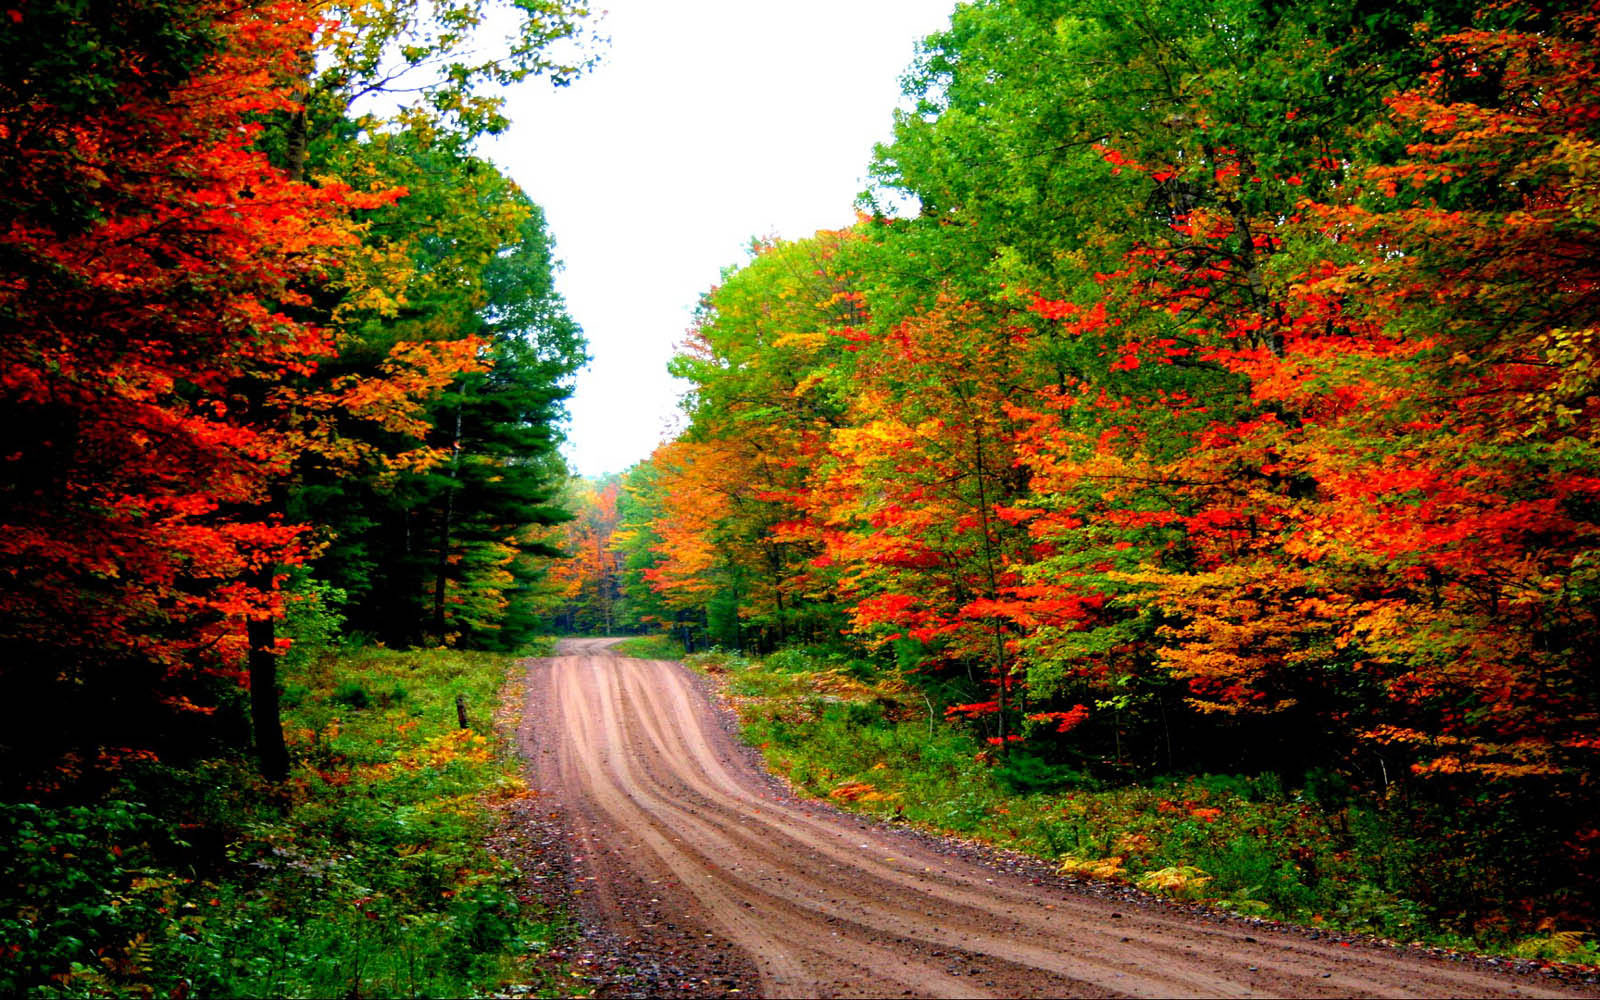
(650, 647)
(1241, 843)
(366, 875)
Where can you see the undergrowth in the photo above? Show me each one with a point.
(365, 875)
(1244, 843)
(650, 647)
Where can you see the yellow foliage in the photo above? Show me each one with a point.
(441, 751)
(1178, 880)
(1093, 867)
(808, 341)
(843, 686)
(1555, 945)
(857, 791)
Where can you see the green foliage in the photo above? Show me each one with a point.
(451, 551)
(651, 647)
(70, 885)
(635, 540)
(1024, 773)
(367, 876)
(351, 695)
(717, 660)
(312, 621)
(433, 63)
(787, 661)
(79, 55)
(1239, 842)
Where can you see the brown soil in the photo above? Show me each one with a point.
(705, 870)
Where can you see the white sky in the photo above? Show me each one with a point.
(708, 123)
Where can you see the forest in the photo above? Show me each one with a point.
(1223, 403)
(1184, 465)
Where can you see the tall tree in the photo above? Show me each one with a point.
(154, 266)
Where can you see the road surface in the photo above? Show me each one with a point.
(680, 840)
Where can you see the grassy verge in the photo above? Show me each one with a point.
(650, 647)
(1242, 843)
(366, 875)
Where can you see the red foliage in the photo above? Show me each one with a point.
(141, 429)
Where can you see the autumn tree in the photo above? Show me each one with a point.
(155, 264)
(212, 319)
(768, 362)
(588, 575)
(408, 305)
(919, 496)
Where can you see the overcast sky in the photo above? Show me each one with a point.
(708, 123)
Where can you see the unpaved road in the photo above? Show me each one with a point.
(679, 840)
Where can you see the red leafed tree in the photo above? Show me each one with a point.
(1462, 463)
(153, 276)
(1388, 525)
(916, 501)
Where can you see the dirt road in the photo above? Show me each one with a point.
(679, 840)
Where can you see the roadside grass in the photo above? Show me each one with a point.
(650, 647)
(1241, 843)
(366, 875)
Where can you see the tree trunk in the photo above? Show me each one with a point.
(266, 719)
(442, 568)
(298, 140)
(1000, 665)
(265, 722)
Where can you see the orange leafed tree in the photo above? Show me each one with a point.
(767, 358)
(586, 580)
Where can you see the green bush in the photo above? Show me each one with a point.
(1023, 773)
(1316, 853)
(351, 695)
(789, 661)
